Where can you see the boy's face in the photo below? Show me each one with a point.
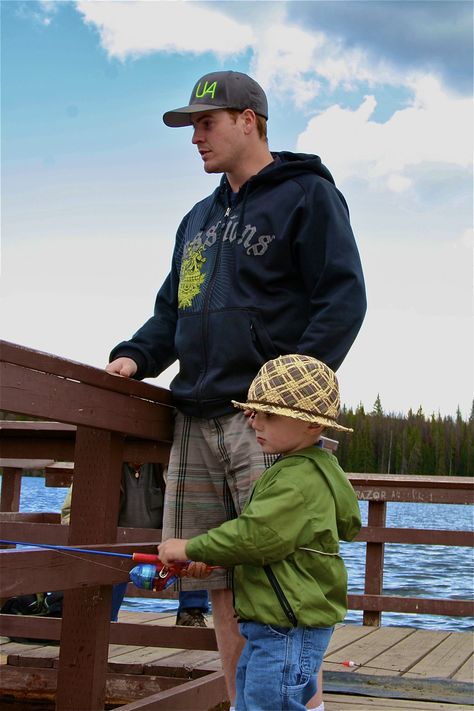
(277, 434)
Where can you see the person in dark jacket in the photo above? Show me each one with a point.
(266, 265)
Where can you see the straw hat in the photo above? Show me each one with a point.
(297, 386)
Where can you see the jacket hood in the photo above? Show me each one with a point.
(286, 165)
(289, 164)
(347, 509)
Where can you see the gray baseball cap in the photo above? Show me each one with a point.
(220, 90)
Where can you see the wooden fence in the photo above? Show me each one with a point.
(97, 421)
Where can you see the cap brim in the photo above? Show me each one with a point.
(288, 412)
(177, 118)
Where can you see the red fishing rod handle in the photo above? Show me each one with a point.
(146, 558)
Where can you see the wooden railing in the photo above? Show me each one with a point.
(113, 420)
(99, 421)
(380, 489)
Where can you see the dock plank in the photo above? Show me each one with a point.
(8, 648)
(347, 634)
(142, 617)
(445, 659)
(344, 702)
(44, 656)
(134, 661)
(190, 663)
(406, 653)
(365, 650)
(466, 672)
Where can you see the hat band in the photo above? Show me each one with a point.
(295, 408)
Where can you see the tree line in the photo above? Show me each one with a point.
(406, 444)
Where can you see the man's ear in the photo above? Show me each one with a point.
(249, 119)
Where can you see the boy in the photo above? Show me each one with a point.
(290, 583)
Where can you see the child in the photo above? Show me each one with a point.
(290, 583)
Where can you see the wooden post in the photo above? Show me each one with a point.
(374, 562)
(86, 613)
(11, 487)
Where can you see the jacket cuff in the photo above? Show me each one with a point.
(130, 352)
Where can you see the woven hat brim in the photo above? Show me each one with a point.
(288, 412)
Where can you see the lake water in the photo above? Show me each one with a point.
(410, 570)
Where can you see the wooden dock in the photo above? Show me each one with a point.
(394, 667)
(95, 422)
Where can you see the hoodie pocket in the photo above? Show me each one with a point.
(220, 354)
(261, 339)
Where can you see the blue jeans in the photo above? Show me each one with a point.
(118, 593)
(278, 666)
(193, 598)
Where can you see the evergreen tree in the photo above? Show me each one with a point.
(412, 444)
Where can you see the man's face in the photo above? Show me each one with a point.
(219, 140)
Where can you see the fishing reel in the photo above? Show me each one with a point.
(153, 574)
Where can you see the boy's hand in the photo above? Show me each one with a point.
(198, 570)
(173, 549)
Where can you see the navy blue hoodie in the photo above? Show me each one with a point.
(274, 270)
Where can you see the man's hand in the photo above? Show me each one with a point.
(126, 367)
(173, 549)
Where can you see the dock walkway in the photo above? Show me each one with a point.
(393, 667)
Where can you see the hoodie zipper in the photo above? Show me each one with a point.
(207, 299)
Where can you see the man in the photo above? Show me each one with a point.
(266, 265)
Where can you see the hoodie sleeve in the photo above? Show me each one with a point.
(330, 265)
(152, 346)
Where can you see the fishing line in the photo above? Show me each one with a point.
(152, 574)
(72, 548)
(66, 550)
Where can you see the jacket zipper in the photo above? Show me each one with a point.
(282, 599)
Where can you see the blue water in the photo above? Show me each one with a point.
(413, 571)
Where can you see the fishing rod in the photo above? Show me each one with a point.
(152, 574)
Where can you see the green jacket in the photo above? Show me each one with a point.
(304, 500)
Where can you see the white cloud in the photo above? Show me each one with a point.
(41, 12)
(436, 128)
(283, 62)
(293, 62)
(138, 28)
(288, 61)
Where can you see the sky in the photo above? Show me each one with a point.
(94, 185)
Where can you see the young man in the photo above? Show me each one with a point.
(265, 265)
(290, 584)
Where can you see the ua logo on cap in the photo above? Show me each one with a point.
(207, 89)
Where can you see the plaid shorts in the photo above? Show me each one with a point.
(213, 464)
